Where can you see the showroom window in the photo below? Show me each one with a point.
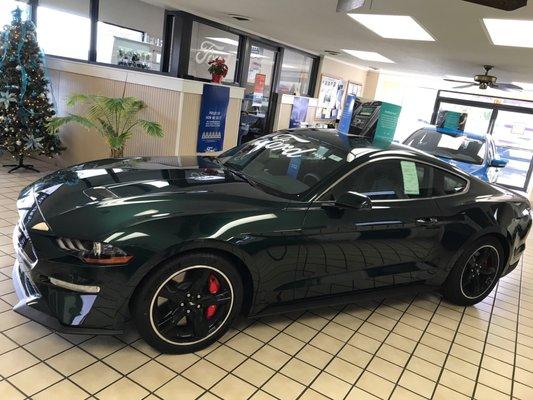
(208, 43)
(127, 40)
(296, 71)
(6, 8)
(64, 28)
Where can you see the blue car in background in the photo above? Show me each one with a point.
(473, 153)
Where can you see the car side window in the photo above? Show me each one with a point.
(446, 183)
(399, 180)
(388, 180)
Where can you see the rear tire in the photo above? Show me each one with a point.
(475, 273)
(188, 303)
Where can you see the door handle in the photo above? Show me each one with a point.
(427, 221)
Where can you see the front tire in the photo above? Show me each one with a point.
(475, 273)
(188, 303)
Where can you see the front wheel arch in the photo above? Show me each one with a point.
(242, 268)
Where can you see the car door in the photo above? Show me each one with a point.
(389, 244)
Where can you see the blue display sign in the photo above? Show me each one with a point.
(299, 111)
(213, 110)
(346, 117)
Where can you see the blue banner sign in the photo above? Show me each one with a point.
(213, 110)
(299, 111)
(346, 117)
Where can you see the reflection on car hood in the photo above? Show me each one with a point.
(131, 190)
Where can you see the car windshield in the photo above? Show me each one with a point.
(287, 164)
(456, 147)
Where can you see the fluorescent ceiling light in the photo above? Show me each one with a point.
(510, 32)
(224, 40)
(393, 26)
(368, 56)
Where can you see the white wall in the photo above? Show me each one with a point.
(133, 14)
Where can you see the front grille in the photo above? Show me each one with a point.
(23, 242)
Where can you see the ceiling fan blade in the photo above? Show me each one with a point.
(465, 86)
(345, 6)
(455, 80)
(509, 86)
(506, 5)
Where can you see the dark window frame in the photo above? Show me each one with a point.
(182, 33)
(176, 35)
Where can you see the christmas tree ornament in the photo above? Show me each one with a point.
(25, 108)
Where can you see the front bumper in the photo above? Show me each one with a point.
(32, 306)
(62, 295)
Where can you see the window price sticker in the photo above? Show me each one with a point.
(410, 178)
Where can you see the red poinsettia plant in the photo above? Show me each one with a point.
(218, 69)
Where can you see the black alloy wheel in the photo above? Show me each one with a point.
(475, 273)
(188, 302)
(191, 305)
(480, 272)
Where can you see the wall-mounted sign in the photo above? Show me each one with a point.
(213, 110)
(299, 111)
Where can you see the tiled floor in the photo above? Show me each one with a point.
(398, 348)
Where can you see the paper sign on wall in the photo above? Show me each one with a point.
(410, 178)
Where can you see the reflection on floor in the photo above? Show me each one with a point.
(398, 348)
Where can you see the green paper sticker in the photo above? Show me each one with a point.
(410, 178)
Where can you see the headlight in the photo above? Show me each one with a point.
(94, 252)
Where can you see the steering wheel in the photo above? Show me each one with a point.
(311, 179)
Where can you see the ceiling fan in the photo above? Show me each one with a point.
(507, 5)
(486, 81)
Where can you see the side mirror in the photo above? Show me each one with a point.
(354, 200)
(499, 162)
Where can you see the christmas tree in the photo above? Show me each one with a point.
(25, 107)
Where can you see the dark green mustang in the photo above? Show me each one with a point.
(293, 220)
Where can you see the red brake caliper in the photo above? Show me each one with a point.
(213, 287)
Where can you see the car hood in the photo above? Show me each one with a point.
(118, 193)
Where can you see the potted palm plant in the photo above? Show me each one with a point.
(116, 119)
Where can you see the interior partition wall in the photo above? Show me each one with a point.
(509, 121)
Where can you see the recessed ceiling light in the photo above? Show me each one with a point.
(238, 17)
(224, 40)
(394, 26)
(510, 32)
(368, 56)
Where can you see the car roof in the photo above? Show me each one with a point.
(361, 147)
(454, 132)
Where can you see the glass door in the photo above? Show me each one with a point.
(513, 136)
(258, 91)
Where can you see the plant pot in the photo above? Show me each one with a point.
(117, 153)
(216, 78)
